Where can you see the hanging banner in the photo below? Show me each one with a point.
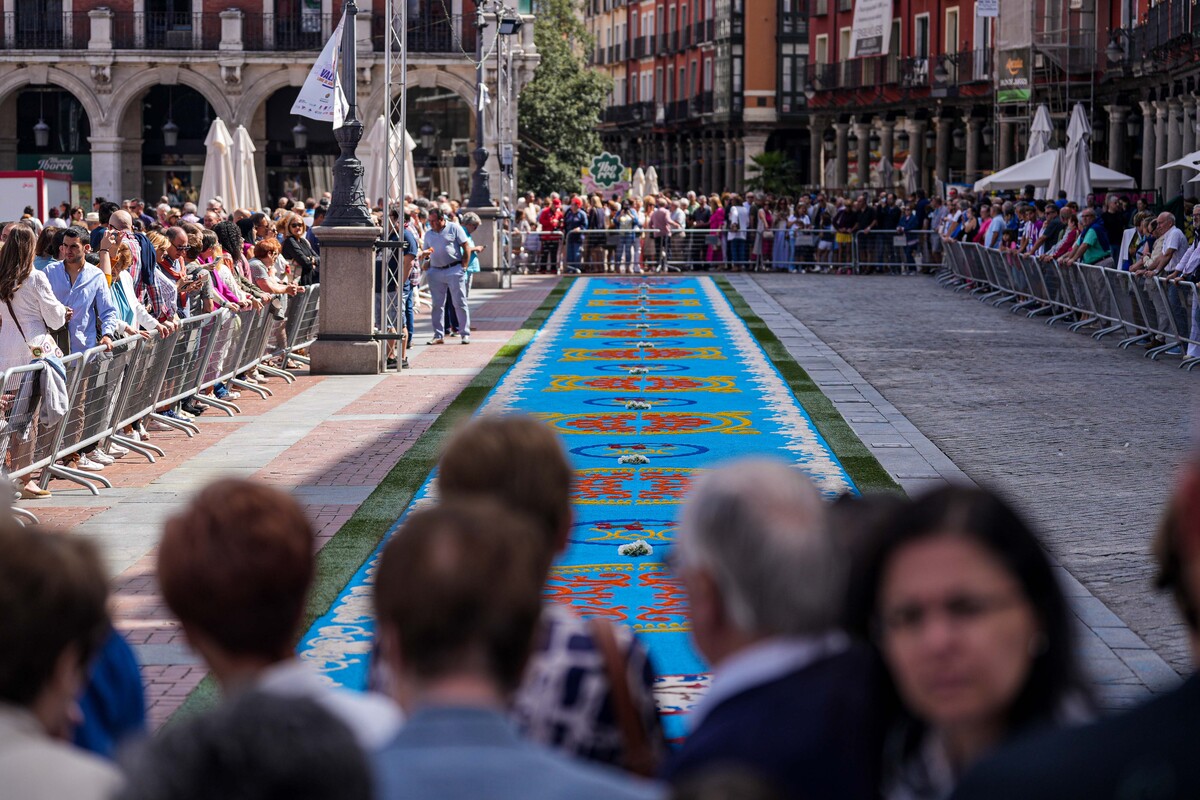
(872, 28)
(987, 8)
(1013, 77)
(321, 95)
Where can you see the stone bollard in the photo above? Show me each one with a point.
(345, 345)
(491, 260)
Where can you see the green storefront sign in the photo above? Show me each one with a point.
(78, 166)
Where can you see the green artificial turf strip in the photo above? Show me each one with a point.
(858, 461)
(354, 542)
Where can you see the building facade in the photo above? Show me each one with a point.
(121, 93)
(701, 87)
(686, 98)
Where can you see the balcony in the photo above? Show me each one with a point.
(1161, 27)
(179, 31)
(703, 32)
(630, 113)
(438, 36)
(24, 30)
(641, 46)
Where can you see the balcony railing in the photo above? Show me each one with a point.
(966, 67)
(629, 113)
(703, 31)
(162, 31)
(641, 46)
(25, 30)
(454, 34)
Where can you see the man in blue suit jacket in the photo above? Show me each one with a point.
(790, 697)
(457, 599)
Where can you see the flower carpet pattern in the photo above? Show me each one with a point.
(676, 385)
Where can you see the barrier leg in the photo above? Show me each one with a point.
(24, 516)
(84, 479)
(261, 391)
(1125, 344)
(1154, 352)
(187, 427)
(277, 373)
(1100, 334)
(1083, 323)
(145, 448)
(226, 406)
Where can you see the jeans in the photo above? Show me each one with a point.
(574, 247)
(625, 252)
(1175, 301)
(739, 252)
(447, 284)
(409, 311)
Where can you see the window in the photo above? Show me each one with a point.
(921, 36)
(792, 65)
(658, 85)
(981, 61)
(736, 86)
(693, 89)
(822, 51)
(708, 75)
(951, 38)
(647, 88)
(843, 53)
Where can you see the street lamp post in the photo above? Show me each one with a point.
(481, 194)
(348, 208)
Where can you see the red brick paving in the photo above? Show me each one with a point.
(336, 453)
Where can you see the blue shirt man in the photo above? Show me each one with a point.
(83, 289)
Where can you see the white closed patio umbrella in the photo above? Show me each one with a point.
(638, 186)
(651, 181)
(372, 152)
(1040, 132)
(908, 170)
(245, 174)
(1076, 164)
(218, 179)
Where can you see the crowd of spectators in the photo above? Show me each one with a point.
(118, 271)
(871, 647)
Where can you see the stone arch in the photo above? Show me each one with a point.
(430, 77)
(261, 91)
(40, 75)
(132, 90)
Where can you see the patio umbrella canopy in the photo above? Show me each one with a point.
(1040, 132)
(218, 179)
(638, 185)
(1076, 165)
(245, 174)
(651, 181)
(374, 153)
(1039, 171)
(909, 172)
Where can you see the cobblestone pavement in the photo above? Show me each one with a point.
(328, 440)
(1084, 437)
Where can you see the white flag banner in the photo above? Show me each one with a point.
(871, 29)
(321, 96)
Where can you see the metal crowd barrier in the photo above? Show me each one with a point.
(106, 390)
(895, 251)
(1082, 295)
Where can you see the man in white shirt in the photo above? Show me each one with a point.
(53, 591)
(1174, 243)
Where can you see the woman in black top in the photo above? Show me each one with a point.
(297, 250)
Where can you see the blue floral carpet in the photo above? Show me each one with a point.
(648, 381)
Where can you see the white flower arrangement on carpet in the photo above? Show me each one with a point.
(643, 309)
(633, 459)
(637, 405)
(635, 549)
(638, 371)
(645, 345)
(642, 325)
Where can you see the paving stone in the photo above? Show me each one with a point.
(1038, 413)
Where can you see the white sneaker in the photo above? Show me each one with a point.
(116, 451)
(89, 465)
(101, 457)
(158, 425)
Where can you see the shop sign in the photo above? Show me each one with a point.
(1012, 78)
(606, 176)
(78, 166)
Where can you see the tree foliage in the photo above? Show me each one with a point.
(773, 173)
(559, 109)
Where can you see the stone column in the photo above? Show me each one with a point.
(347, 314)
(739, 155)
(730, 165)
(1117, 115)
(916, 148)
(841, 170)
(1147, 145)
(106, 166)
(1007, 133)
(862, 130)
(1161, 111)
(816, 143)
(1174, 144)
(942, 149)
(1189, 128)
(754, 143)
(972, 155)
(706, 168)
(887, 151)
